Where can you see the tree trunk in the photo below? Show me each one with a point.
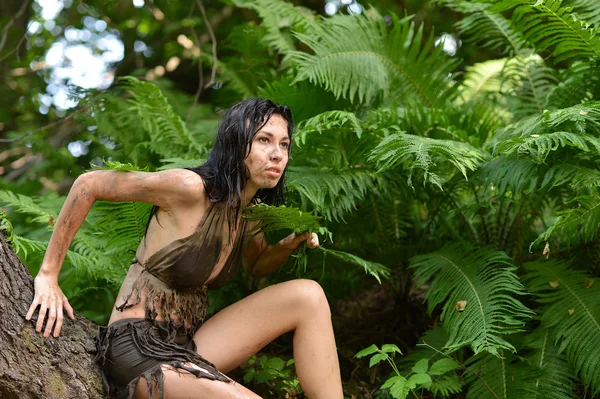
(32, 366)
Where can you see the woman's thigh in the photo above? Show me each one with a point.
(237, 332)
(179, 384)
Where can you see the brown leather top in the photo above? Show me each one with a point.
(174, 278)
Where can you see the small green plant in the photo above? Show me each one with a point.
(278, 372)
(437, 379)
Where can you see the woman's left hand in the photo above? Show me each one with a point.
(313, 241)
(292, 241)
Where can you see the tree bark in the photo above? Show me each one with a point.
(32, 366)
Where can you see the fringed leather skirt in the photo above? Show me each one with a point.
(132, 348)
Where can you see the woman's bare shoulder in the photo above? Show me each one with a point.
(165, 188)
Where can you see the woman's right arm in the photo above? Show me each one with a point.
(167, 189)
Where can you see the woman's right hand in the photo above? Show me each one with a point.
(50, 298)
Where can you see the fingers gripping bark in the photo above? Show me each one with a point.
(51, 300)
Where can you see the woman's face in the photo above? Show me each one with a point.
(269, 154)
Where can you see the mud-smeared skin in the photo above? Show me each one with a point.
(32, 366)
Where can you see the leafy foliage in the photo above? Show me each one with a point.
(415, 153)
(562, 32)
(572, 312)
(355, 58)
(478, 289)
(400, 149)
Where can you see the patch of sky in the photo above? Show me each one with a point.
(449, 42)
(79, 148)
(334, 6)
(82, 57)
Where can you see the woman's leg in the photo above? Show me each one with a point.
(239, 331)
(183, 385)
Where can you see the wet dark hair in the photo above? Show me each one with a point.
(225, 172)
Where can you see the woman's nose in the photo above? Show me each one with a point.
(276, 154)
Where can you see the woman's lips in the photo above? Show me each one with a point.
(273, 172)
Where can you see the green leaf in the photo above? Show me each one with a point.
(572, 311)
(378, 358)
(421, 366)
(442, 366)
(418, 379)
(367, 351)
(398, 387)
(486, 280)
(390, 348)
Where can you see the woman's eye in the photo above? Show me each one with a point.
(263, 140)
(285, 145)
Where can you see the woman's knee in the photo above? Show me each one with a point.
(309, 295)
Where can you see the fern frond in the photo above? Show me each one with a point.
(502, 377)
(330, 120)
(115, 165)
(572, 311)
(486, 280)
(167, 133)
(355, 58)
(22, 245)
(561, 32)
(531, 82)
(577, 224)
(578, 84)
(582, 118)
(488, 28)
(375, 269)
(299, 97)
(88, 256)
(26, 205)
(332, 193)
(578, 177)
(279, 18)
(421, 153)
(483, 79)
(587, 10)
(124, 225)
(537, 147)
(556, 376)
(273, 218)
(230, 76)
(516, 175)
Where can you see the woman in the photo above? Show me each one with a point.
(158, 341)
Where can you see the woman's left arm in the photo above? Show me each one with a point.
(261, 259)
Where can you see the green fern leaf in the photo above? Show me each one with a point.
(556, 376)
(572, 311)
(330, 120)
(332, 193)
(26, 205)
(355, 58)
(422, 153)
(278, 18)
(486, 280)
(488, 28)
(537, 147)
(562, 33)
(577, 224)
(299, 97)
(115, 165)
(375, 269)
(167, 132)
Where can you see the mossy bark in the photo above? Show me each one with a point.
(32, 366)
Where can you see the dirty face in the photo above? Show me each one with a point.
(268, 156)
